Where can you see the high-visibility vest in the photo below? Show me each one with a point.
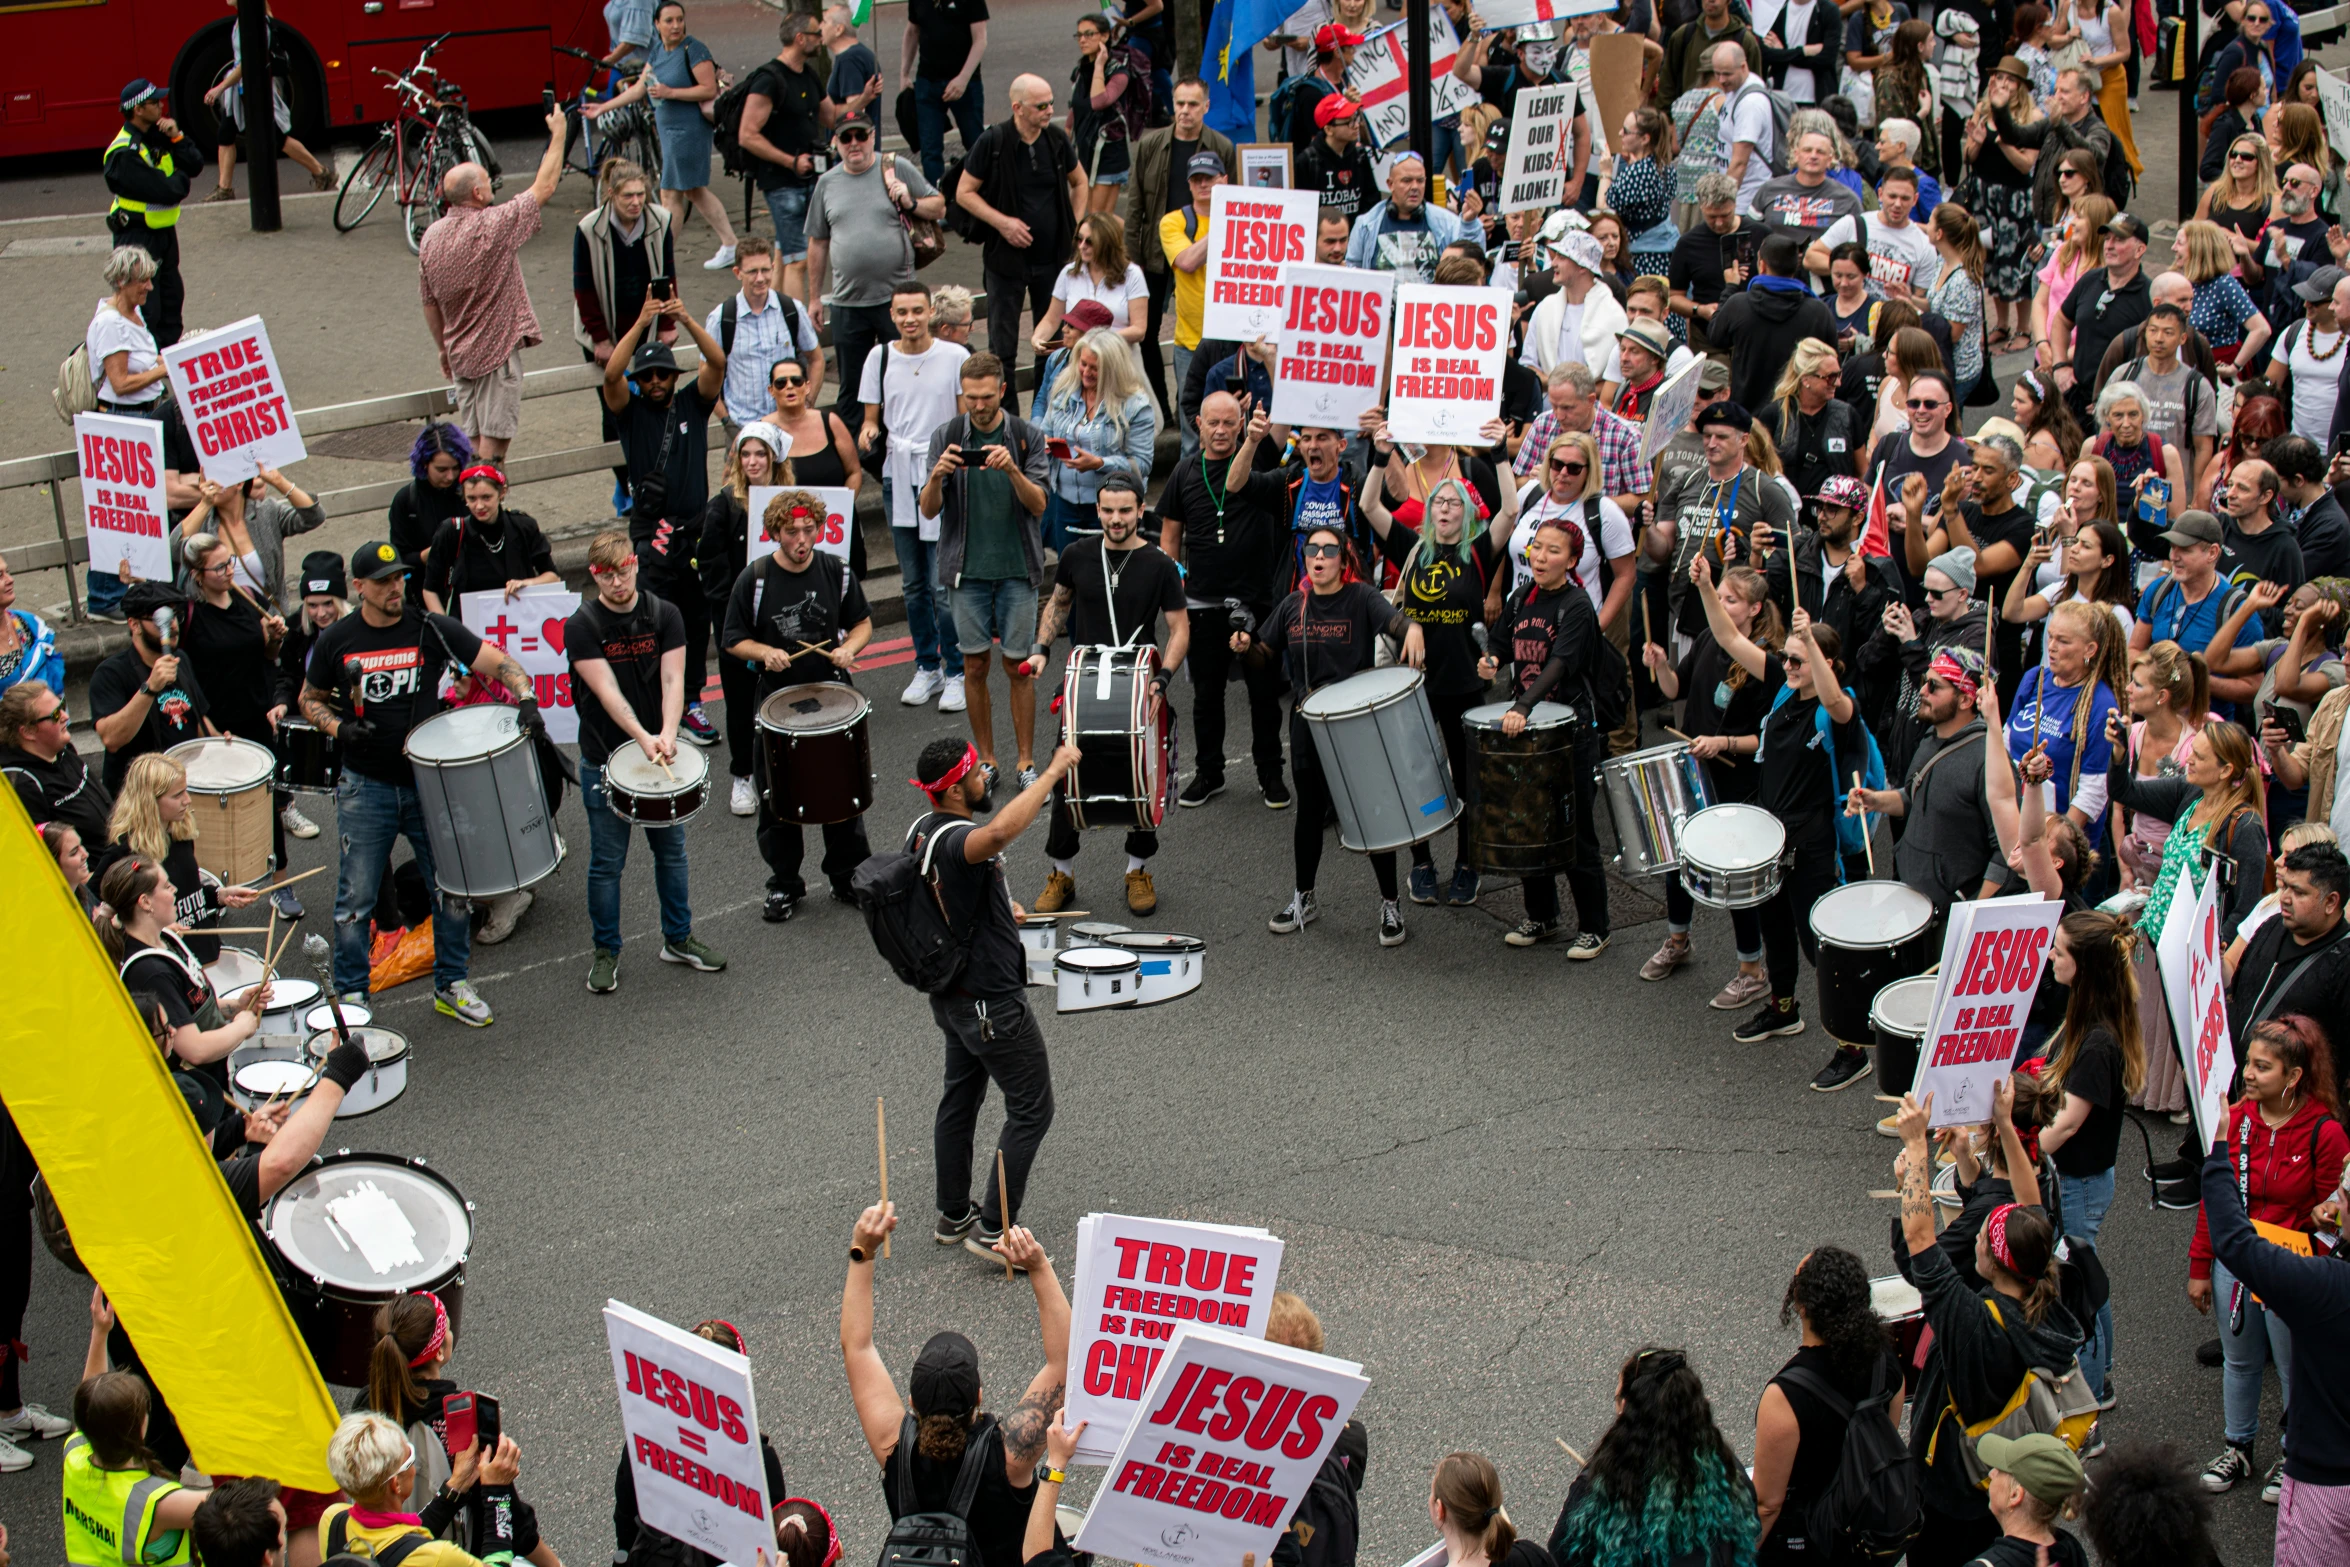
(156, 217)
(110, 1514)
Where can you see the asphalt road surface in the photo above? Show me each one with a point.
(1498, 1173)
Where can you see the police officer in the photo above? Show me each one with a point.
(149, 166)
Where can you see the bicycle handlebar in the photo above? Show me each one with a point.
(579, 54)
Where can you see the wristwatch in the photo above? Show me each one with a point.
(859, 1254)
(1052, 1476)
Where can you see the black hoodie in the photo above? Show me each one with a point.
(1759, 327)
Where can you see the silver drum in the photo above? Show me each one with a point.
(485, 808)
(1650, 793)
(1383, 757)
(1731, 855)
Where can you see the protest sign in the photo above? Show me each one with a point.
(1534, 175)
(529, 630)
(1333, 344)
(1266, 165)
(1670, 409)
(1252, 234)
(1521, 13)
(1382, 66)
(2195, 985)
(1613, 89)
(840, 517)
(122, 495)
(1450, 344)
(1231, 1433)
(2333, 101)
(235, 401)
(1138, 1281)
(1993, 954)
(691, 1434)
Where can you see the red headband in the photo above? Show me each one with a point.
(483, 470)
(440, 1331)
(1995, 1230)
(831, 1529)
(954, 774)
(721, 1322)
(1946, 668)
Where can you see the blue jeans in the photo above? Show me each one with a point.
(1066, 520)
(930, 117)
(371, 817)
(106, 591)
(2262, 1339)
(608, 856)
(928, 619)
(787, 209)
(2086, 1199)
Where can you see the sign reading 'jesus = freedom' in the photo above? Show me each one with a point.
(1450, 346)
(1252, 234)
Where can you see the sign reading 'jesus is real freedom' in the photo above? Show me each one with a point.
(1992, 957)
(1450, 346)
(1252, 234)
(1333, 343)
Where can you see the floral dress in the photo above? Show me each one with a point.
(1697, 121)
(1958, 299)
(1640, 195)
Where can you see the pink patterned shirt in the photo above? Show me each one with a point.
(470, 267)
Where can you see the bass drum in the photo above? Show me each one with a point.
(818, 753)
(485, 806)
(1520, 792)
(1870, 934)
(1383, 758)
(1899, 1018)
(1110, 712)
(351, 1232)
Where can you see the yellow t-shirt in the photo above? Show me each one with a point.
(1191, 288)
(361, 1541)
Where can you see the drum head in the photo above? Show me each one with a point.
(1359, 693)
(235, 969)
(369, 1223)
(1095, 930)
(382, 1044)
(1871, 914)
(1733, 837)
(355, 1015)
(1156, 942)
(1546, 715)
(1633, 761)
(629, 767)
(269, 1079)
(223, 766)
(1895, 1297)
(1901, 1007)
(1098, 960)
(465, 733)
(287, 995)
(812, 709)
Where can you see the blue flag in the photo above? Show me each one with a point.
(1229, 69)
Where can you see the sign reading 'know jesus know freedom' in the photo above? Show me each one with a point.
(1252, 234)
(1333, 343)
(1450, 344)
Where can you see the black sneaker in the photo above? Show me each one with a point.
(1846, 1067)
(2230, 1469)
(981, 1243)
(1465, 885)
(2179, 1196)
(1391, 931)
(951, 1230)
(1200, 790)
(842, 894)
(2211, 1352)
(2176, 1170)
(1769, 1021)
(1277, 794)
(1531, 932)
(780, 907)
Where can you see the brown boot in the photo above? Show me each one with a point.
(1141, 896)
(1060, 889)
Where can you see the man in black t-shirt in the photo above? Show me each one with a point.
(1110, 592)
(627, 654)
(146, 697)
(381, 670)
(1988, 521)
(786, 122)
(664, 428)
(1022, 181)
(801, 618)
(990, 1031)
(952, 39)
(2105, 302)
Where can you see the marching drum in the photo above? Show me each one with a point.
(1870, 934)
(1171, 962)
(355, 1015)
(485, 808)
(354, 1230)
(1040, 941)
(818, 752)
(228, 801)
(1650, 793)
(1520, 792)
(1094, 933)
(1730, 855)
(1092, 978)
(288, 1000)
(1110, 712)
(387, 1067)
(651, 795)
(237, 968)
(1899, 1018)
(1383, 757)
(307, 759)
(260, 1070)
(1903, 1311)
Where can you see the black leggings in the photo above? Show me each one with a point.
(738, 683)
(1154, 358)
(1312, 805)
(1448, 711)
(1587, 877)
(1786, 918)
(16, 1252)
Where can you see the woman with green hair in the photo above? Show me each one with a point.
(1662, 1486)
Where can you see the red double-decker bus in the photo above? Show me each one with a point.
(74, 55)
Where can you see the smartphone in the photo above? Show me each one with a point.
(1749, 242)
(1236, 384)
(663, 288)
(459, 1424)
(2154, 500)
(1056, 447)
(547, 98)
(2286, 719)
(485, 1422)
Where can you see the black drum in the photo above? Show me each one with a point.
(1519, 797)
(1110, 712)
(353, 1231)
(1899, 1018)
(306, 758)
(1870, 934)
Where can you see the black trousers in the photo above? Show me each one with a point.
(165, 306)
(16, 1252)
(1007, 292)
(1587, 877)
(1786, 918)
(738, 683)
(990, 1039)
(783, 843)
(856, 331)
(1211, 663)
(1062, 840)
(1313, 803)
(1154, 358)
(1448, 711)
(674, 579)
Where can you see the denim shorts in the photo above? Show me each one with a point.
(990, 611)
(787, 205)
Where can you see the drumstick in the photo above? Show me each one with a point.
(1571, 1453)
(314, 870)
(881, 1135)
(1003, 1205)
(234, 930)
(269, 942)
(1676, 734)
(1867, 842)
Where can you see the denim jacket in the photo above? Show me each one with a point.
(1097, 433)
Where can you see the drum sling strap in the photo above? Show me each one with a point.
(337, 1543)
(840, 596)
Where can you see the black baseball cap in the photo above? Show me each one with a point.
(322, 572)
(141, 600)
(653, 356)
(1728, 412)
(375, 560)
(946, 1376)
(2129, 226)
(2193, 527)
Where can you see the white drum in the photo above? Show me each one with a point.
(1383, 757)
(1092, 978)
(485, 808)
(1730, 854)
(260, 1070)
(1040, 940)
(652, 794)
(387, 1068)
(1093, 933)
(235, 969)
(356, 1014)
(289, 999)
(1171, 962)
(228, 801)
(351, 1232)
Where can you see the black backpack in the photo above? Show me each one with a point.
(1871, 1508)
(936, 1539)
(907, 913)
(338, 1550)
(726, 126)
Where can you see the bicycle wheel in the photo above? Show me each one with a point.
(477, 149)
(425, 205)
(365, 185)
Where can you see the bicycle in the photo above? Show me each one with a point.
(626, 132)
(430, 134)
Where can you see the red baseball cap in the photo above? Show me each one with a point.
(1331, 35)
(1334, 107)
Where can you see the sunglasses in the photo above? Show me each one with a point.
(854, 133)
(1314, 551)
(56, 715)
(1926, 402)
(1942, 593)
(1562, 466)
(789, 380)
(2236, 156)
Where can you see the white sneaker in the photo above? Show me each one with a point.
(463, 1003)
(925, 685)
(950, 699)
(35, 1421)
(300, 826)
(721, 261)
(743, 800)
(13, 1457)
(505, 910)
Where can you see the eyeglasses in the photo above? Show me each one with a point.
(218, 568)
(1926, 402)
(789, 380)
(1561, 465)
(1318, 551)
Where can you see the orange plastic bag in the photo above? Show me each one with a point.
(410, 958)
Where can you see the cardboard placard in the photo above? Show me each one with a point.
(530, 631)
(1252, 234)
(1534, 174)
(2333, 101)
(1266, 165)
(2195, 984)
(238, 411)
(1450, 344)
(122, 495)
(1616, 70)
(1670, 409)
(1333, 345)
(840, 517)
(1522, 13)
(1993, 952)
(1231, 1433)
(1382, 66)
(691, 1436)
(1138, 1281)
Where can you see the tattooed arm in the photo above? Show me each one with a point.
(318, 707)
(1049, 622)
(492, 664)
(1025, 1426)
(1917, 1164)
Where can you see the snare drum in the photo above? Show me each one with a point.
(351, 1232)
(1383, 758)
(1730, 856)
(1870, 934)
(288, 1000)
(307, 759)
(237, 968)
(1171, 962)
(1092, 978)
(260, 1070)
(814, 743)
(1899, 1018)
(355, 1015)
(1520, 790)
(387, 1068)
(1650, 793)
(228, 801)
(484, 806)
(1094, 933)
(1110, 712)
(651, 795)
(1903, 1311)
(1040, 940)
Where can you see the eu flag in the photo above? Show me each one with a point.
(1230, 71)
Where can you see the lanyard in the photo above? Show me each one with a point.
(2243, 1195)
(1218, 501)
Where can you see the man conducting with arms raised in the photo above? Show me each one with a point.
(627, 647)
(1109, 591)
(1950, 849)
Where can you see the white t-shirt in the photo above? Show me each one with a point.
(1075, 284)
(1749, 120)
(1802, 86)
(109, 333)
(1303, 22)
(919, 396)
(1615, 538)
(2316, 382)
(1896, 255)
